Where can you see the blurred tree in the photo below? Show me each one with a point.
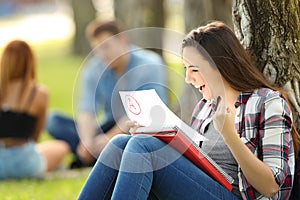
(142, 13)
(270, 31)
(83, 13)
(198, 12)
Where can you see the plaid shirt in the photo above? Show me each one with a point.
(264, 123)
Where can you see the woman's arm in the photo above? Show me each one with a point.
(276, 124)
(40, 105)
(256, 172)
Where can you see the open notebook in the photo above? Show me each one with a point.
(146, 108)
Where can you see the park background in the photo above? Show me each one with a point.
(55, 29)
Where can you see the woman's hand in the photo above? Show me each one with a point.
(84, 154)
(132, 125)
(224, 118)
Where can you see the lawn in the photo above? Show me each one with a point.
(65, 186)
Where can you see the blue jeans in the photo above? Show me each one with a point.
(143, 167)
(64, 128)
(21, 162)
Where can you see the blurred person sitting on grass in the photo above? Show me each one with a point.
(23, 105)
(114, 65)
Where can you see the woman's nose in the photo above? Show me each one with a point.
(187, 77)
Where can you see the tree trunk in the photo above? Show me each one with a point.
(83, 13)
(141, 13)
(199, 12)
(270, 29)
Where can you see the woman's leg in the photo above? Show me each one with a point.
(62, 128)
(149, 165)
(101, 180)
(54, 151)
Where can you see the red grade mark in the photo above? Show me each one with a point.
(133, 105)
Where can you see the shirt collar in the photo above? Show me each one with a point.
(242, 98)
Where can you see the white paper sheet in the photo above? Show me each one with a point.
(147, 109)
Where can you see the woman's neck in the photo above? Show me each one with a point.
(231, 94)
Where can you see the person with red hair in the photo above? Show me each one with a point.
(23, 106)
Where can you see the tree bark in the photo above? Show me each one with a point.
(199, 12)
(269, 30)
(142, 13)
(83, 13)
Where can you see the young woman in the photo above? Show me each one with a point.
(23, 105)
(247, 121)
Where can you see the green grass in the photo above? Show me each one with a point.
(52, 189)
(60, 185)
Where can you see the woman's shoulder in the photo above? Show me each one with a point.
(41, 94)
(264, 91)
(263, 97)
(40, 89)
(266, 94)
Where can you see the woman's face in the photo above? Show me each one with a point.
(201, 74)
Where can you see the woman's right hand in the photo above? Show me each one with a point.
(132, 126)
(224, 118)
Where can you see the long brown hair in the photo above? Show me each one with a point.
(17, 63)
(232, 60)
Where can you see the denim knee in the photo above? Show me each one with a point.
(112, 153)
(54, 124)
(120, 140)
(117, 143)
(149, 148)
(143, 143)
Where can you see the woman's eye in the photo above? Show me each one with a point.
(195, 70)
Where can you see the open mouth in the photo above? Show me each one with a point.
(201, 88)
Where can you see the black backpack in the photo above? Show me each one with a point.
(296, 186)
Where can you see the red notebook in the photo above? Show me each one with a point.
(183, 144)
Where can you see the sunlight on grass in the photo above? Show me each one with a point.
(59, 188)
